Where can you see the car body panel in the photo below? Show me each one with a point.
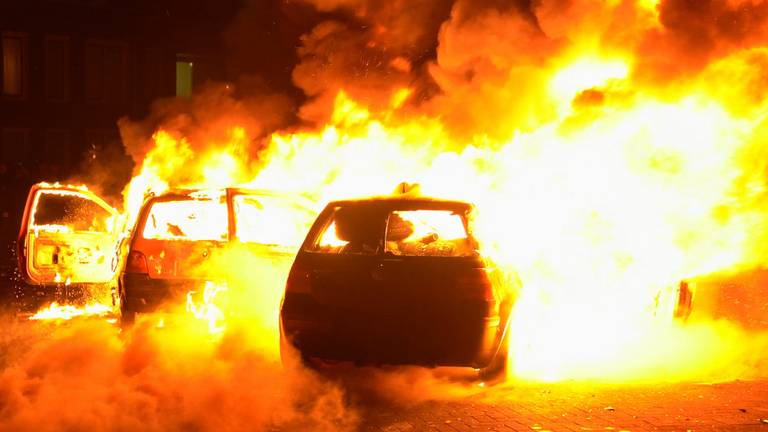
(68, 236)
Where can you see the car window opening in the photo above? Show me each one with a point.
(192, 220)
(270, 220)
(70, 212)
(427, 233)
(352, 231)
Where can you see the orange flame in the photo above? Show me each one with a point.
(56, 311)
(208, 311)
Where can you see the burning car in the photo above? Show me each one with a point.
(176, 233)
(66, 245)
(71, 237)
(396, 280)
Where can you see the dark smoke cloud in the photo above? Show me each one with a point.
(370, 49)
(694, 32)
(207, 119)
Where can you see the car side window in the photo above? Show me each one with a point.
(428, 233)
(270, 220)
(351, 231)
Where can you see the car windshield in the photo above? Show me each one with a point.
(187, 219)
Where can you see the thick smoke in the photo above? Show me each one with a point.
(207, 119)
(86, 376)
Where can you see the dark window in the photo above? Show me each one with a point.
(156, 75)
(184, 78)
(57, 68)
(106, 73)
(15, 146)
(14, 60)
(57, 146)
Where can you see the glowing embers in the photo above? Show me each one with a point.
(209, 311)
(66, 312)
(187, 219)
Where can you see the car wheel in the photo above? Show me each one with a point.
(497, 368)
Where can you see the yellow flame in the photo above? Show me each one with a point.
(56, 311)
(208, 311)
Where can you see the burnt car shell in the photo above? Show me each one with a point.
(66, 246)
(371, 306)
(162, 270)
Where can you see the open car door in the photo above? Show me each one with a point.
(68, 236)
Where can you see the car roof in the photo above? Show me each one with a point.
(402, 199)
(189, 193)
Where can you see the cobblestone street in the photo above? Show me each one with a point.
(733, 406)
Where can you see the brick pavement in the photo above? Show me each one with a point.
(733, 406)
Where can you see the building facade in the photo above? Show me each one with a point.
(70, 69)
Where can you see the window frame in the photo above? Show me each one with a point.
(103, 99)
(67, 67)
(24, 38)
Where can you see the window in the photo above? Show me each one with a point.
(14, 61)
(191, 219)
(57, 146)
(354, 230)
(106, 73)
(270, 220)
(184, 78)
(427, 233)
(57, 68)
(15, 146)
(69, 211)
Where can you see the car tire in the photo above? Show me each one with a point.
(496, 370)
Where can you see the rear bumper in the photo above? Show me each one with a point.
(140, 293)
(386, 340)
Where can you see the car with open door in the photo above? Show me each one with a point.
(178, 233)
(66, 248)
(396, 280)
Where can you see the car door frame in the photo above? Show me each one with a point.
(23, 249)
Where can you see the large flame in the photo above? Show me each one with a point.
(601, 199)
